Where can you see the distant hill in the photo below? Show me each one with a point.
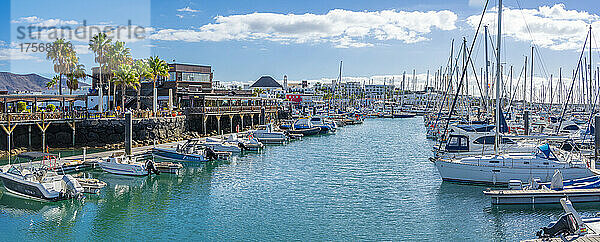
(27, 82)
(16, 82)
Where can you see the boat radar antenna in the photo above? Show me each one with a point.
(498, 79)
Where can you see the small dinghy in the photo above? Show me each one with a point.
(90, 185)
(168, 167)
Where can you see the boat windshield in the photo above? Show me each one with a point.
(13, 170)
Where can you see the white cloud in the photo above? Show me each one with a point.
(343, 28)
(36, 21)
(188, 9)
(12, 54)
(550, 27)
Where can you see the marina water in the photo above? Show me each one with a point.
(366, 182)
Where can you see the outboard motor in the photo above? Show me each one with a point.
(151, 168)
(566, 225)
(73, 188)
(210, 154)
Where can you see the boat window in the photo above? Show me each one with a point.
(485, 128)
(454, 141)
(485, 140)
(14, 171)
(571, 127)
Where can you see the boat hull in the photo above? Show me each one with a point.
(306, 132)
(173, 155)
(123, 169)
(29, 190)
(501, 175)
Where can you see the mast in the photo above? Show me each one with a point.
(531, 79)
(498, 79)
(487, 64)
(525, 85)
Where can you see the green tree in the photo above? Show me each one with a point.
(117, 54)
(74, 77)
(99, 45)
(158, 68)
(143, 71)
(50, 84)
(64, 58)
(21, 106)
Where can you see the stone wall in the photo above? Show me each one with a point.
(96, 133)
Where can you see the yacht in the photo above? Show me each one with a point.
(40, 184)
(499, 169)
(220, 145)
(122, 164)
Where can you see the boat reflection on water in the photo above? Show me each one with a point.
(61, 212)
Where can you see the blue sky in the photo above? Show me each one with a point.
(187, 31)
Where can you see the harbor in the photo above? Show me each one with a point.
(337, 189)
(320, 121)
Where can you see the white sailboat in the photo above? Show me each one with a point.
(498, 168)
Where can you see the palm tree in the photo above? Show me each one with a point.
(143, 71)
(122, 77)
(74, 77)
(99, 45)
(64, 58)
(50, 84)
(118, 54)
(158, 68)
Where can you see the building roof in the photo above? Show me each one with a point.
(266, 82)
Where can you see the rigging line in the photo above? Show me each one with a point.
(541, 60)
(517, 86)
(464, 69)
(572, 84)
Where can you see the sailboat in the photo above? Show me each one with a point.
(499, 169)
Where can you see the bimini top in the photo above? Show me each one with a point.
(546, 152)
(476, 127)
(34, 155)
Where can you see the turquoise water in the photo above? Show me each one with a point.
(367, 182)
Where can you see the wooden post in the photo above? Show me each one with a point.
(251, 120)
(230, 123)
(43, 127)
(72, 125)
(218, 124)
(8, 132)
(29, 137)
(204, 118)
(128, 132)
(242, 122)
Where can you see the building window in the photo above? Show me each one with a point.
(195, 77)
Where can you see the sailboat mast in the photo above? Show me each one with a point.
(487, 64)
(498, 78)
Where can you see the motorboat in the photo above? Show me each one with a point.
(122, 164)
(221, 145)
(304, 127)
(37, 182)
(327, 126)
(193, 150)
(266, 135)
(499, 169)
(247, 143)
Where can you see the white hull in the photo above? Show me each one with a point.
(501, 175)
(123, 169)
